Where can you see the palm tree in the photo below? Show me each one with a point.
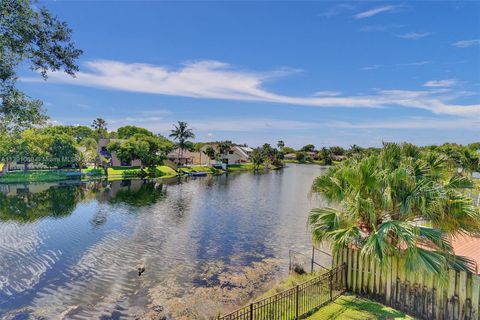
(280, 144)
(224, 148)
(258, 158)
(390, 204)
(182, 133)
(100, 125)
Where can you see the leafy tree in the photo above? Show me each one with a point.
(148, 149)
(280, 144)
(338, 151)
(286, 150)
(79, 133)
(31, 35)
(224, 148)
(257, 157)
(61, 151)
(308, 148)
(129, 131)
(326, 155)
(100, 126)
(210, 152)
(392, 204)
(181, 133)
(301, 156)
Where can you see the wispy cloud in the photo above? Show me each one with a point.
(415, 63)
(419, 123)
(217, 80)
(336, 10)
(327, 93)
(466, 43)
(373, 67)
(374, 12)
(441, 83)
(414, 35)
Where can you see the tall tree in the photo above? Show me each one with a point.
(181, 133)
(31, 35)
(100, 126)
(308, 148)
(280, 144)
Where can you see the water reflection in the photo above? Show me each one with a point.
(28, 203)
(208, 244)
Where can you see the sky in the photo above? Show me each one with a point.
(326, 73)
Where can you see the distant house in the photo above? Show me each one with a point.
(290, 156)
(236, 155)
(338, 157)
(184, 158)
(114, 160)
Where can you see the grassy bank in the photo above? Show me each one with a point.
(126, 172)
(34, 176)
(247, 167)
(353, 307)
(318, 162)
(209, 170)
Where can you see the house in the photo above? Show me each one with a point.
(236, 154)
(114, 160)
(185, 157)
(290, 156)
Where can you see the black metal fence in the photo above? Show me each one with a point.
(296, 302)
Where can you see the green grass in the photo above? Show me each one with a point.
(210, 170)
(291, 281)
(159, 171)
(95, 172)
(353, 307)
(34, 176)
(246, 167)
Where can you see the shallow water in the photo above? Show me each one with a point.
(71, 250)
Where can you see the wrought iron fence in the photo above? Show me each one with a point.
(296, 302)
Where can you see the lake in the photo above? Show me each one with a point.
(71, 250)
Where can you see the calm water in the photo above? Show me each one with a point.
(72, 250)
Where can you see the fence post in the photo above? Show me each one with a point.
(344, 265)
(251, 311)
(331, 284)
(297, 289)
(313, 257)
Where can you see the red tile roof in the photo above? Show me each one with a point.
(468, 246)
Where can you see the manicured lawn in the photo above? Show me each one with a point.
(353, 307)
(159, 171)
(34, 176)
(246, 167)
(210, 170)
(98, 172)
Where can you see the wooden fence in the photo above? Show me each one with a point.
(296, 302)
(418, 294)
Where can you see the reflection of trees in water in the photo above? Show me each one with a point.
(136, 193)
(25, 206)
(29, 203)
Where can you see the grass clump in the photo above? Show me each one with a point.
(353, 307)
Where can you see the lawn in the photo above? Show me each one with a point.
(210, 170)
(246, 167)
(159, 171)
(353, 307)
(34, 176)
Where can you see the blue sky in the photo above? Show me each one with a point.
(327, 73)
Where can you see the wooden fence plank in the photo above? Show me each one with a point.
(462, 294)
(475, 296)
(350, 269)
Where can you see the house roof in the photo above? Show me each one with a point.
(467, 246)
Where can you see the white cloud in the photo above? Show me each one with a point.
(426, 123)
(416, 63)
(336, 10)
(327, 93)
(217, 80)
(466, 43)
(373, 12)
(373, 67)
(414, 35)
(441, 83)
